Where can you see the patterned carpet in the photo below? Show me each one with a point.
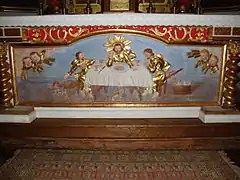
(32, 164)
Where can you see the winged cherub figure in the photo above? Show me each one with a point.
(34, 62)
(206, 60)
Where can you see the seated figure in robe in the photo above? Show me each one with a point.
(119, 51)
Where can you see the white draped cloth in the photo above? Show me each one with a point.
(109, 76)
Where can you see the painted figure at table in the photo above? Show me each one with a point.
(82, 63)
(119, 51)
(158, 66)
(35, 62)
(207, 60)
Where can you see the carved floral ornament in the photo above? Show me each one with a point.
(66, 35)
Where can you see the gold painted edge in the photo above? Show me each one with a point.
(219, 111)
(128, 104)
(222, 75)
(16, 111)
(119, 105)
(13, 75)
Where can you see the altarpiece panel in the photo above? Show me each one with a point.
(118, 66)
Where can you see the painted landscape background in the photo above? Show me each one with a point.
(37, 88)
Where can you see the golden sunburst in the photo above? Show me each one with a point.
(112, 41)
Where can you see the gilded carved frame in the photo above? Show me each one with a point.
(191, 35)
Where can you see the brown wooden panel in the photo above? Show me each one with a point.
(1, 32)
(115, 121)
(222, 31)
(11, 39)
(119, 131)
(236, 31)
(117, 128)
(126, 144)
(122, 133)
(12, 32)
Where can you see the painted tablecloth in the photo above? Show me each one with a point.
(109, 76)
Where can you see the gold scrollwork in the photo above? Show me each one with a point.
(76, 34)
(55, 34)
(199, 34)
(231, 79)
(165, 32)
(174, 35)
(36, 35)
(50, 35)
(6, 85)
